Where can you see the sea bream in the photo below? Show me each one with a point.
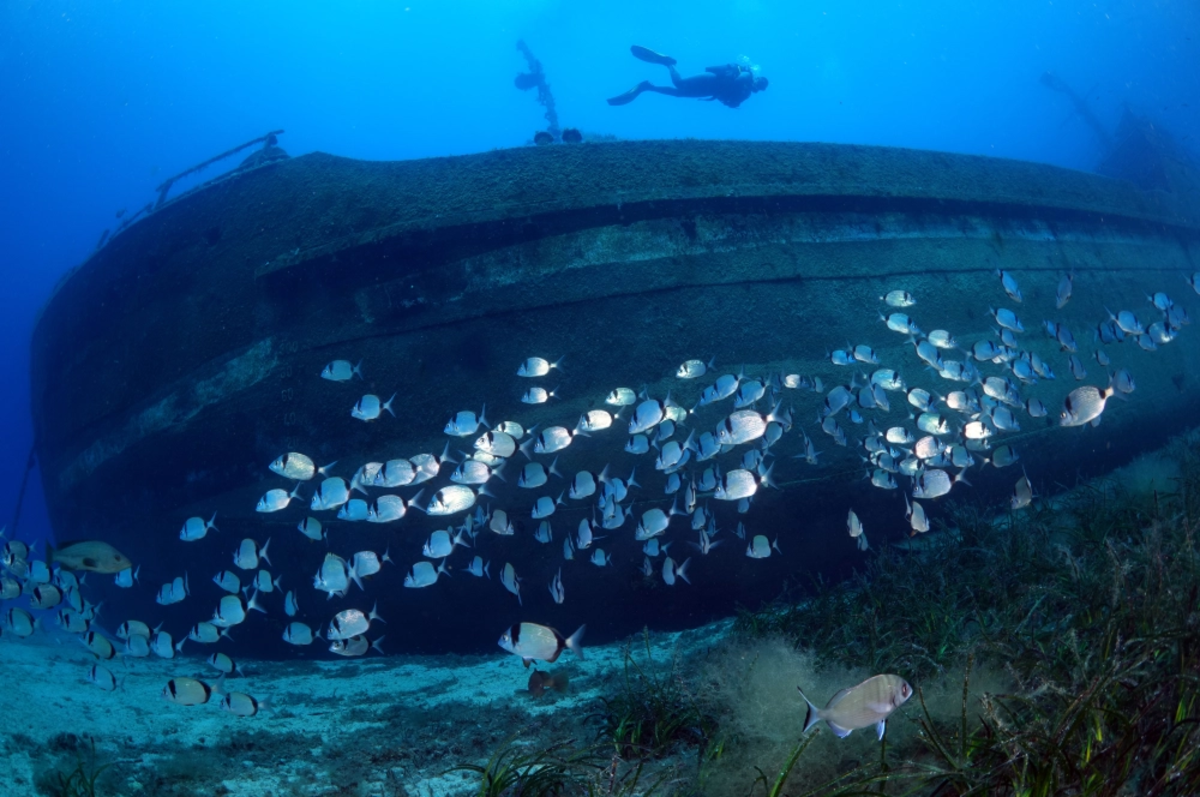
(743, 426)
(395, 473)
(385, 509)
(1063, 294)
(535, 474)
(369, 407)
(691, 369)
(532, 642)
(648, 414)
(898, 298)
(466, 423)
(248, 554)
(759, 547)
(869, 703)
(452, 499)
(1007, 319)
(297, 467)
(740, 483)
(423, 574)
(194, 528)
(187, 691)
(621, 397)
(538, 395)
(332, 494)
(273, 501)
(355, 646)
(472, 471)
(333, 577)
(1009, 282)
(723, 388)
(342, 371)
(511, 582)
(536, 366)
(1084, 405)
(670, 571)
(500, 444)
(351, 622)
(93, 555)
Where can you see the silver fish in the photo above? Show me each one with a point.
(1007, 319)
(395, 473)
(760, 547)
(1084, 405)
(869, 703)
(915, 513)
(342, 371)
(1063, 294)
(351, 622)
(899, 322)
(297, 467)
(1010, 284)
(466, 423)
(440, 545)
(536, 366)
(1127, 322)
(387, 509)
(452, 499)
(899, 298)
(298, 634)
(621, 397)
(691, 369)
(545, 506)
(369, 407)
(194, 528)
(479, 568)
(272, 501)
(228, 581)
(670, 571)
(332, 494)
(535, 474)
(533, 642)
(556, 588)
(511, 582)
(538, 395)
(423, 574)
(594, 421)
(497, 443)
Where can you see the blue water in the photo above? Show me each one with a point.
(104, 100)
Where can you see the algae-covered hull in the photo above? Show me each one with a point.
(182, 358)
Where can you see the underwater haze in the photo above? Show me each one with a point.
(599, 399)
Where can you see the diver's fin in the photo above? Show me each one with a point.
(629, 96)
(651, 57)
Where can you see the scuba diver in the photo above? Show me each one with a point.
(731, 84)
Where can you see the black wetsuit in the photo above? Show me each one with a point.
(728, 84)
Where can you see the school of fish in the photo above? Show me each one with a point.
(701, 467)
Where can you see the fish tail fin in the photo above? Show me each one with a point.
(357, 370)
(814, 714)
(766, 477)
(575, 641)
(631, 481)
(681, 571)
(377, 646)
(483, 417)
(486, 565)
(212, 521)
(388, 405)
(374, 615)
(553, 471)
(253, 604)
(263, 553)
